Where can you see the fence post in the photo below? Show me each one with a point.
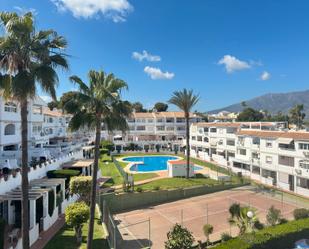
(149, 232)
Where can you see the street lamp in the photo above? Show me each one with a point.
(250, 214)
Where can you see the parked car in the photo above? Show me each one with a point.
(302, 244)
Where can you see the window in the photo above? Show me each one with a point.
(140, 120)
(199, 138)
(256, 140)
(150, 120)
(231, 130)
(303, 146)
(160, 128)
(302, 182)
(269, 144)
(170, 128)
(214, 130)
(140, 128)
(241, 141)
(255, 155)
(9, 129)
(37, 109)
(36, 129)
(159, 120)
(269, 159)
(304, 165)
(181, 128)
(169, 120)
(180, 120)
(206, 129)
(286, 161)
(193, 138)
(10, 107)
(206, 140)
(230, 142)
(242, 152)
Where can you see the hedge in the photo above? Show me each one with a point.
(280, 236)
(63, 173)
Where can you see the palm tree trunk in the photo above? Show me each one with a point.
(187, 144)
(94, 181)
(24, 174)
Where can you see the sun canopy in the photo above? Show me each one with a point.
(284, 140)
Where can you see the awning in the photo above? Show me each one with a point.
(220, 150)
(284, 140)
(118, 136)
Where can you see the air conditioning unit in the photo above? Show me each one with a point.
(306, 153)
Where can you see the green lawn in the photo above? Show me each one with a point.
(173, 183)
(65, 238)
(108, 168)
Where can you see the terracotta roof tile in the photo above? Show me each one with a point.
(296, 135)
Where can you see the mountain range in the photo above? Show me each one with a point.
(272, 102)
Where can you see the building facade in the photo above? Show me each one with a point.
(266, 152)
(153, 129)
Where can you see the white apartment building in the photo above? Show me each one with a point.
(151, 129)
(47, 131)
(264, 151)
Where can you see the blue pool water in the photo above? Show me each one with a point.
(151, 163)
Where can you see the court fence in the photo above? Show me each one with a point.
(118, 234)
(126, 201)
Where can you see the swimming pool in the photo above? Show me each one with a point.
(151, 163)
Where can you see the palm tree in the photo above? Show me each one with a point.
(99, 102)
(28, 58)
(185, 100)
(243, 217)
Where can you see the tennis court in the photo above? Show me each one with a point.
(149, 226)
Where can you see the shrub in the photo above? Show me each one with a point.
(156, 188)
(139, 189)
(2, 230)
(273, 216)
(225, 237)
(300, 213)
(81, 185)
(107, 145)
(279, 236)
(62, 173)
(75, 215)
(208, 229)
(179, 237)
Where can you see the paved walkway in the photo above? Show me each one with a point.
(46, 236)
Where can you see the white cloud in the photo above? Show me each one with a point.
(265, 76)
(156, 73)
(46, 98)
(232, 64)
(117, 10)
(145, 56)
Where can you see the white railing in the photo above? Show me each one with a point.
(11, 181)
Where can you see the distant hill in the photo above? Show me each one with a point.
(272, 102)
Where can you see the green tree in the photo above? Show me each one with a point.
(243, 217)
(53, 105)
(99, 102)
(64, 99)
(81, 186)
(185, 100)
(138, 107)
(179, 238)
(160, 107)
(250, 115)
(76, 215)
(28, 58)
(208, 229)
(108, 146)
(273, 216)
(297, 115)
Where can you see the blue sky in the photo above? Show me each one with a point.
(227, 51)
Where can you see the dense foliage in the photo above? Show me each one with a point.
(81, 185)
(280, 236)
(76, 215)
(301, 213)
(160, 107)
(179, 238)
